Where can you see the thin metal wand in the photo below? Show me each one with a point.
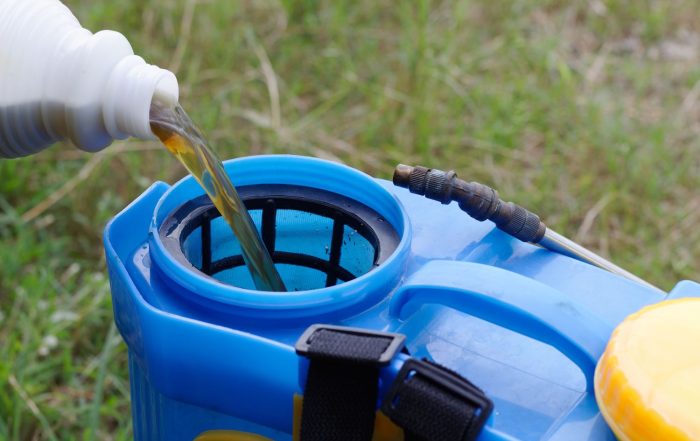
(482, 202)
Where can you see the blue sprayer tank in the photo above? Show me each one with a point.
(208, 352)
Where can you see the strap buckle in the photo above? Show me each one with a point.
(342, 382)
(476, 406)
(348, 352)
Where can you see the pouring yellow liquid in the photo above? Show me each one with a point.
(185, 141)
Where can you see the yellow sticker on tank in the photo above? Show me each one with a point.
(230, 435)
(384, 429)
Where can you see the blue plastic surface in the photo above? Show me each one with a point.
(524, 324)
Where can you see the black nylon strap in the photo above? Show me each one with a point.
(339, 402)
(340, 397)
(431, 403)
(416, 416)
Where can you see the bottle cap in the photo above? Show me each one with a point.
(647, 384)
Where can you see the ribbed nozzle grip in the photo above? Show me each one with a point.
(417, 180)
(519, 222)
(479, 201)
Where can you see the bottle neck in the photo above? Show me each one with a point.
(103, 90)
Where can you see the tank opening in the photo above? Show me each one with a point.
(316, 238)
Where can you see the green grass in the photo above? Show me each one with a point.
(586, 112)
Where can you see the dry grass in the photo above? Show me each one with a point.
(587, 112)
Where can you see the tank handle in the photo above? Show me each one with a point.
(511, 301)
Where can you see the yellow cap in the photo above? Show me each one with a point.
(647, 384)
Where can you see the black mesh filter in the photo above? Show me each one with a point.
(316, 238)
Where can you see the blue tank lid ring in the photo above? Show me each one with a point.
(365, 200)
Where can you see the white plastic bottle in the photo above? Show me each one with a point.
(59, 81)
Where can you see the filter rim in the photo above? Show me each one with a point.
(177, 227)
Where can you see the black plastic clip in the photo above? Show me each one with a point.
(309, 345)
(427, 389)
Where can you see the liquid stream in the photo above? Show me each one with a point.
(185, 141)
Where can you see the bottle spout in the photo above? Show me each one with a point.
(167, 91)
(132, 87)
